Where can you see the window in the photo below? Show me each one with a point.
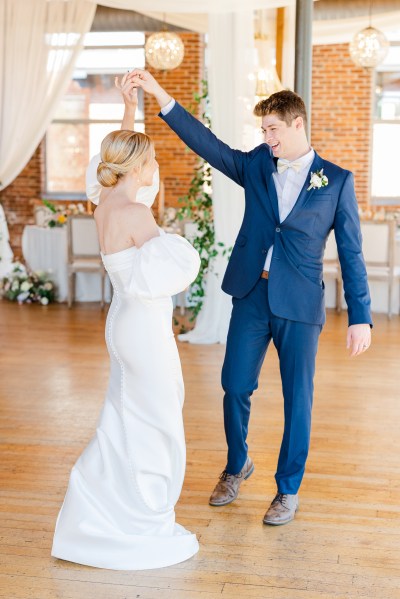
(386, 131)
(91, 108)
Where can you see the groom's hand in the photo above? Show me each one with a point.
(358, 338)
(146, 81)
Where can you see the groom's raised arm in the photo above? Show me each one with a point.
(202, 140)
(195, 135)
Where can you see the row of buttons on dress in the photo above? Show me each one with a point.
(278, 230)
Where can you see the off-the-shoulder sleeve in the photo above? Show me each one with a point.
(163, 266)
(145, 195)
(93, 187)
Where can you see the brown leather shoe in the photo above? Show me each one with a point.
(282, 509)
(227, 488)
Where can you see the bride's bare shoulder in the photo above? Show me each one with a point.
(138, 212)
(139, 208)
(142, 224)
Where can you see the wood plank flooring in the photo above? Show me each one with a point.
(345, 541)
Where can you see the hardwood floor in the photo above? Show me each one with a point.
(345, 541)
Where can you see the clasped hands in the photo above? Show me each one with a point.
(128, 89)
(145, 80)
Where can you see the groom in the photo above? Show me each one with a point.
(293, 200)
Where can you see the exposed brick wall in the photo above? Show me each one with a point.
(176, 162)
(19, 197)
(342, 113)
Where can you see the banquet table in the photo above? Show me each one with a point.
(46, 249)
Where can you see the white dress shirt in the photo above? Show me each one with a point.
(288, 186)
(168, 107)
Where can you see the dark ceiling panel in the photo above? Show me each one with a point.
(113, 19)
(346, 9)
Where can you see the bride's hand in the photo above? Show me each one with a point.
(146, 81)
(128, 90)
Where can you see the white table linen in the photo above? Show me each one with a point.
(46, 249)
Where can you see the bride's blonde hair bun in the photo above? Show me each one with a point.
(107, 176)
(121, 151)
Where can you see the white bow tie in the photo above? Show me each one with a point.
(284, 164)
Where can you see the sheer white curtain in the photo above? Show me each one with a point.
(6, 253)
(231, 60)
(40, 41)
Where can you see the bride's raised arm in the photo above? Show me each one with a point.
(130, 96)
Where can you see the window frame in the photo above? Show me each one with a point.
(382, 201)
(73, 195)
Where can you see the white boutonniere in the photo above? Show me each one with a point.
(317, 180)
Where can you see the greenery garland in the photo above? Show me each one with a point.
(197, 207)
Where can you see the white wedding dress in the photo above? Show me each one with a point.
(118, 511)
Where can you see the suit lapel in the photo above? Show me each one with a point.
(305, 195)
(271, 189)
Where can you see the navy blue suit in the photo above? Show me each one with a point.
(288, 307)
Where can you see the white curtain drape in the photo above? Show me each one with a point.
(232, 101)
(40, 42)
(6, 253)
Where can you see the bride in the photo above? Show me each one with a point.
(118, 511)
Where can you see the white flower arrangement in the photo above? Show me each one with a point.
(27, 287)
(170, 222)
(318, 180)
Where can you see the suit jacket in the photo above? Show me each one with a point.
(295, 287)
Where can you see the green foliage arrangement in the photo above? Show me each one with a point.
(197, 207)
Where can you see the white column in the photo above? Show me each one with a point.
(303, 65)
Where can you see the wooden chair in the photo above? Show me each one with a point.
(332, 268)
(83, 252)
(379, 242)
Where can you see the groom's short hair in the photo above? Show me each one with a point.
(286, 104)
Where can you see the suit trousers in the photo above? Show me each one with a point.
(251, 329)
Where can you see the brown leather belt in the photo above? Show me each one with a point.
(264, 274)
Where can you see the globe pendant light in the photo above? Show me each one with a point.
(369, 46)
(164, 50)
